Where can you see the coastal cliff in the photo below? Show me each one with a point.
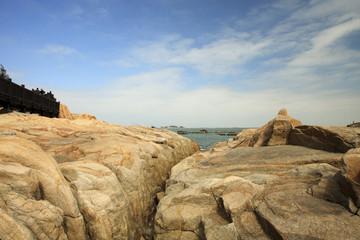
(281, 181)
(80, 178)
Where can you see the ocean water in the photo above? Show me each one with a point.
(207, 140)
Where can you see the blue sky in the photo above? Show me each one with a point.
(198, 63)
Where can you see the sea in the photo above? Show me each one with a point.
(206, 137)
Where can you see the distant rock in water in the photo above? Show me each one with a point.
(80, 178)
(258, 186)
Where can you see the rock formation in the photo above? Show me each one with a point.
(82, 178)
(333, 139)
(275, 132)
(240, 190)
(64, 112)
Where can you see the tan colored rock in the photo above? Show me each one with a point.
(275, 132)
(52, 184)
(273, 192)
(351, 183)
(64, 112)
(11, 229)
(354, 124)
(108, 182)
(212, 200)
(294, 214)
(21, 198)
(82, 116)
(352, 165)
(101, 199)
(333, 139)
(243, 139)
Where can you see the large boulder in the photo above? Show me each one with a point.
(354, 124)
(82, 178)
(45, 182)
(351, 172)
(275, 132)
(273, 192)
(333, 139)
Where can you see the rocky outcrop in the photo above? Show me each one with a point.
(82, 178)
(83, 116)
(234, 191)
(64, 112)
(333, 139)
(354, 124)
(275, 132)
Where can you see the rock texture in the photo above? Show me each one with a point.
(275, 132)
(333, 139)
(355, 124)
(64, 112)
(270, 192)
(82, 178)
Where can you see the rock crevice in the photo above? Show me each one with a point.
(268, 184)
(81, 178)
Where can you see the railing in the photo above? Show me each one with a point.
(13, 96)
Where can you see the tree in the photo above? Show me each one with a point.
(3, 73)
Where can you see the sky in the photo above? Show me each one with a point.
(192, 63)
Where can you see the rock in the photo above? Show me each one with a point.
(83, 116)
(64, 112)
(294, 214)
(82, 178)
(351, 172)
(101, 199)
(354, 124)
(333, 139)
(23, 209)
(273, 192)
(243, 139)
(50, 185)
(352, 165)
(275, 132)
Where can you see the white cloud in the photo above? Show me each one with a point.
(300, 47)
(56, 49)
(220, 56)
(157, 98)
(324, 52)
(332, 10)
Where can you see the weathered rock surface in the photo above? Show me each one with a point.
(64, 112)
(275, 132)
(333, 139)
(82, 178)
(355, 124)
(276, 192)
(270, 192)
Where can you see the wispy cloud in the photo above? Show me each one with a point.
(325, 51)
(220, 56)
(56, 49)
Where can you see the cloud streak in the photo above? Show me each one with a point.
(57, 49)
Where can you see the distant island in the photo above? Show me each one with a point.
(172, 127)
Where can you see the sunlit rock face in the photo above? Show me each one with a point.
(257, 186)
(275, 132)
(82, 178)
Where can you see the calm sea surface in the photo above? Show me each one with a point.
(206, 140)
